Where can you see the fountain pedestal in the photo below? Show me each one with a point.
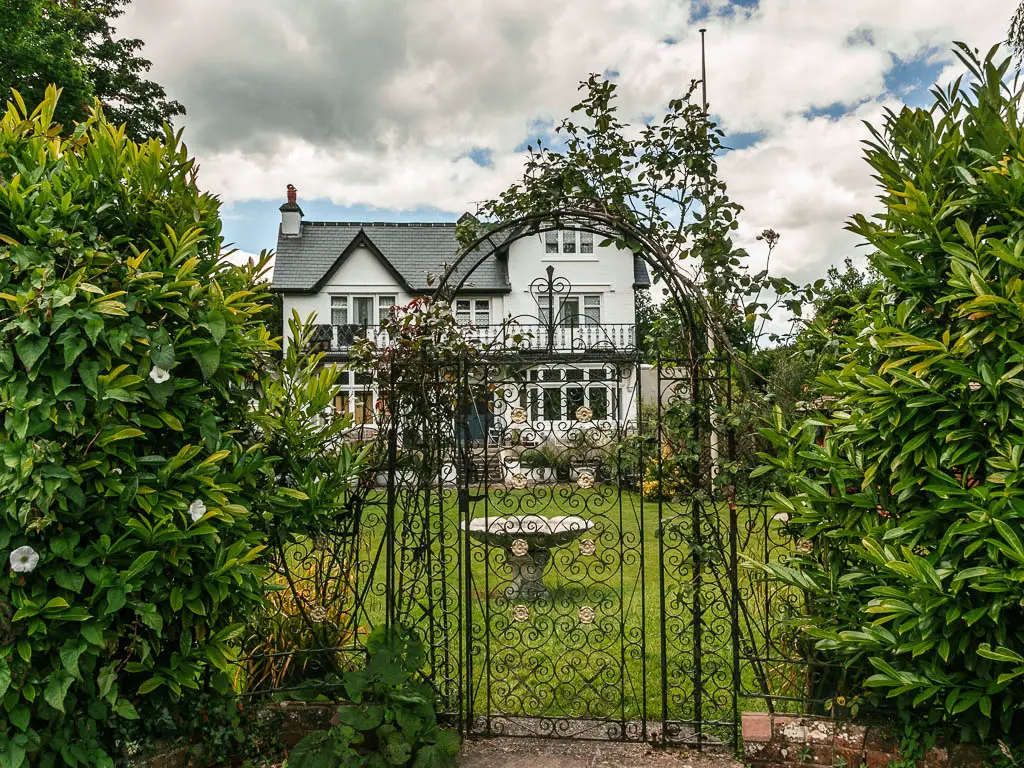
(527, 541)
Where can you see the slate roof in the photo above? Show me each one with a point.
(640, 277)
(411, 250)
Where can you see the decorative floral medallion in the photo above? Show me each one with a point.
(587, 615)
(319, 613)
(520, 547)
(586, 479)
(518, 415)
(584, 414)
(520, 613)
(805, 547)
(518, 481)
(587, 547)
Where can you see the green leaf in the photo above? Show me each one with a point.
(126, 709)
(999, 654)
(57, 690)
(69, 655)
(30, 349)
(208, 357)
(5, 677)
(150, 685)
(216, 325)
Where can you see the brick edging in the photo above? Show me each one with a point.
(800, 741)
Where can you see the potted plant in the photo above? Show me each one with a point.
(407, 468)
(538, 464)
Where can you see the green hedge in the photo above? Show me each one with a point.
(914, 500)
(127, 356)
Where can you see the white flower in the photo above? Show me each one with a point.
(159, 375)
(115, 471)
(24, 560)
(196, 510)
(974, 386)
(782, 517)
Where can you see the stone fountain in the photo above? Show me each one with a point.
(527, 541)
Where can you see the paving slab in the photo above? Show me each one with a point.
(559, 753)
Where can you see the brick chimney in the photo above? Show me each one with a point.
(291, 215)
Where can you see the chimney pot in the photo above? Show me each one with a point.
(291, 215)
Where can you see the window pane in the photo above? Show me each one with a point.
(552, 404)
(343, 377)
(569, 241)
(482, 312)
(462, 311)
(534, 404)
(339, 310)
(592, 309)
(569, 312)
(551, 242)
(364, 378)
(364, 408)
(599, 402)
(574, 398)
(341, 403)
(574, 374)
(362, 310)
(551, 374)
(598, 374)
(384, 305)
(586, 242)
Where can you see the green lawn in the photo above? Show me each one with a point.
(635, 650)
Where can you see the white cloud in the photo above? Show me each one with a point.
(375, 101)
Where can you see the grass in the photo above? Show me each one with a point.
(636, 651)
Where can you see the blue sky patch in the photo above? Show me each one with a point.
(482, 156)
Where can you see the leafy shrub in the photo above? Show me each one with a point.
(391, 720)
(912, 490)
(136, 497)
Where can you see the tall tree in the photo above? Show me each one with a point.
(72, 43)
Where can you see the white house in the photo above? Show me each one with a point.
(351, 273)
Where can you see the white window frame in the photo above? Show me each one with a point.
(472, 312)
(584, 302)
(345, 303)
(535, 392)
(339, 303)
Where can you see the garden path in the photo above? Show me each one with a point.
(547, 753)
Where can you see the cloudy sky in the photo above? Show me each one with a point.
(414, 109)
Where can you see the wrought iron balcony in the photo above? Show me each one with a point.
(508, 337)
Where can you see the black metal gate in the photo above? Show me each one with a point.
(574, 560)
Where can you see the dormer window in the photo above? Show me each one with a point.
(568, 241)
(551, 242)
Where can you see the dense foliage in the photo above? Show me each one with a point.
(72, 44)
(136, 494)
(391, 719)
(912, 490)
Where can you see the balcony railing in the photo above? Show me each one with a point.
(519, 337)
